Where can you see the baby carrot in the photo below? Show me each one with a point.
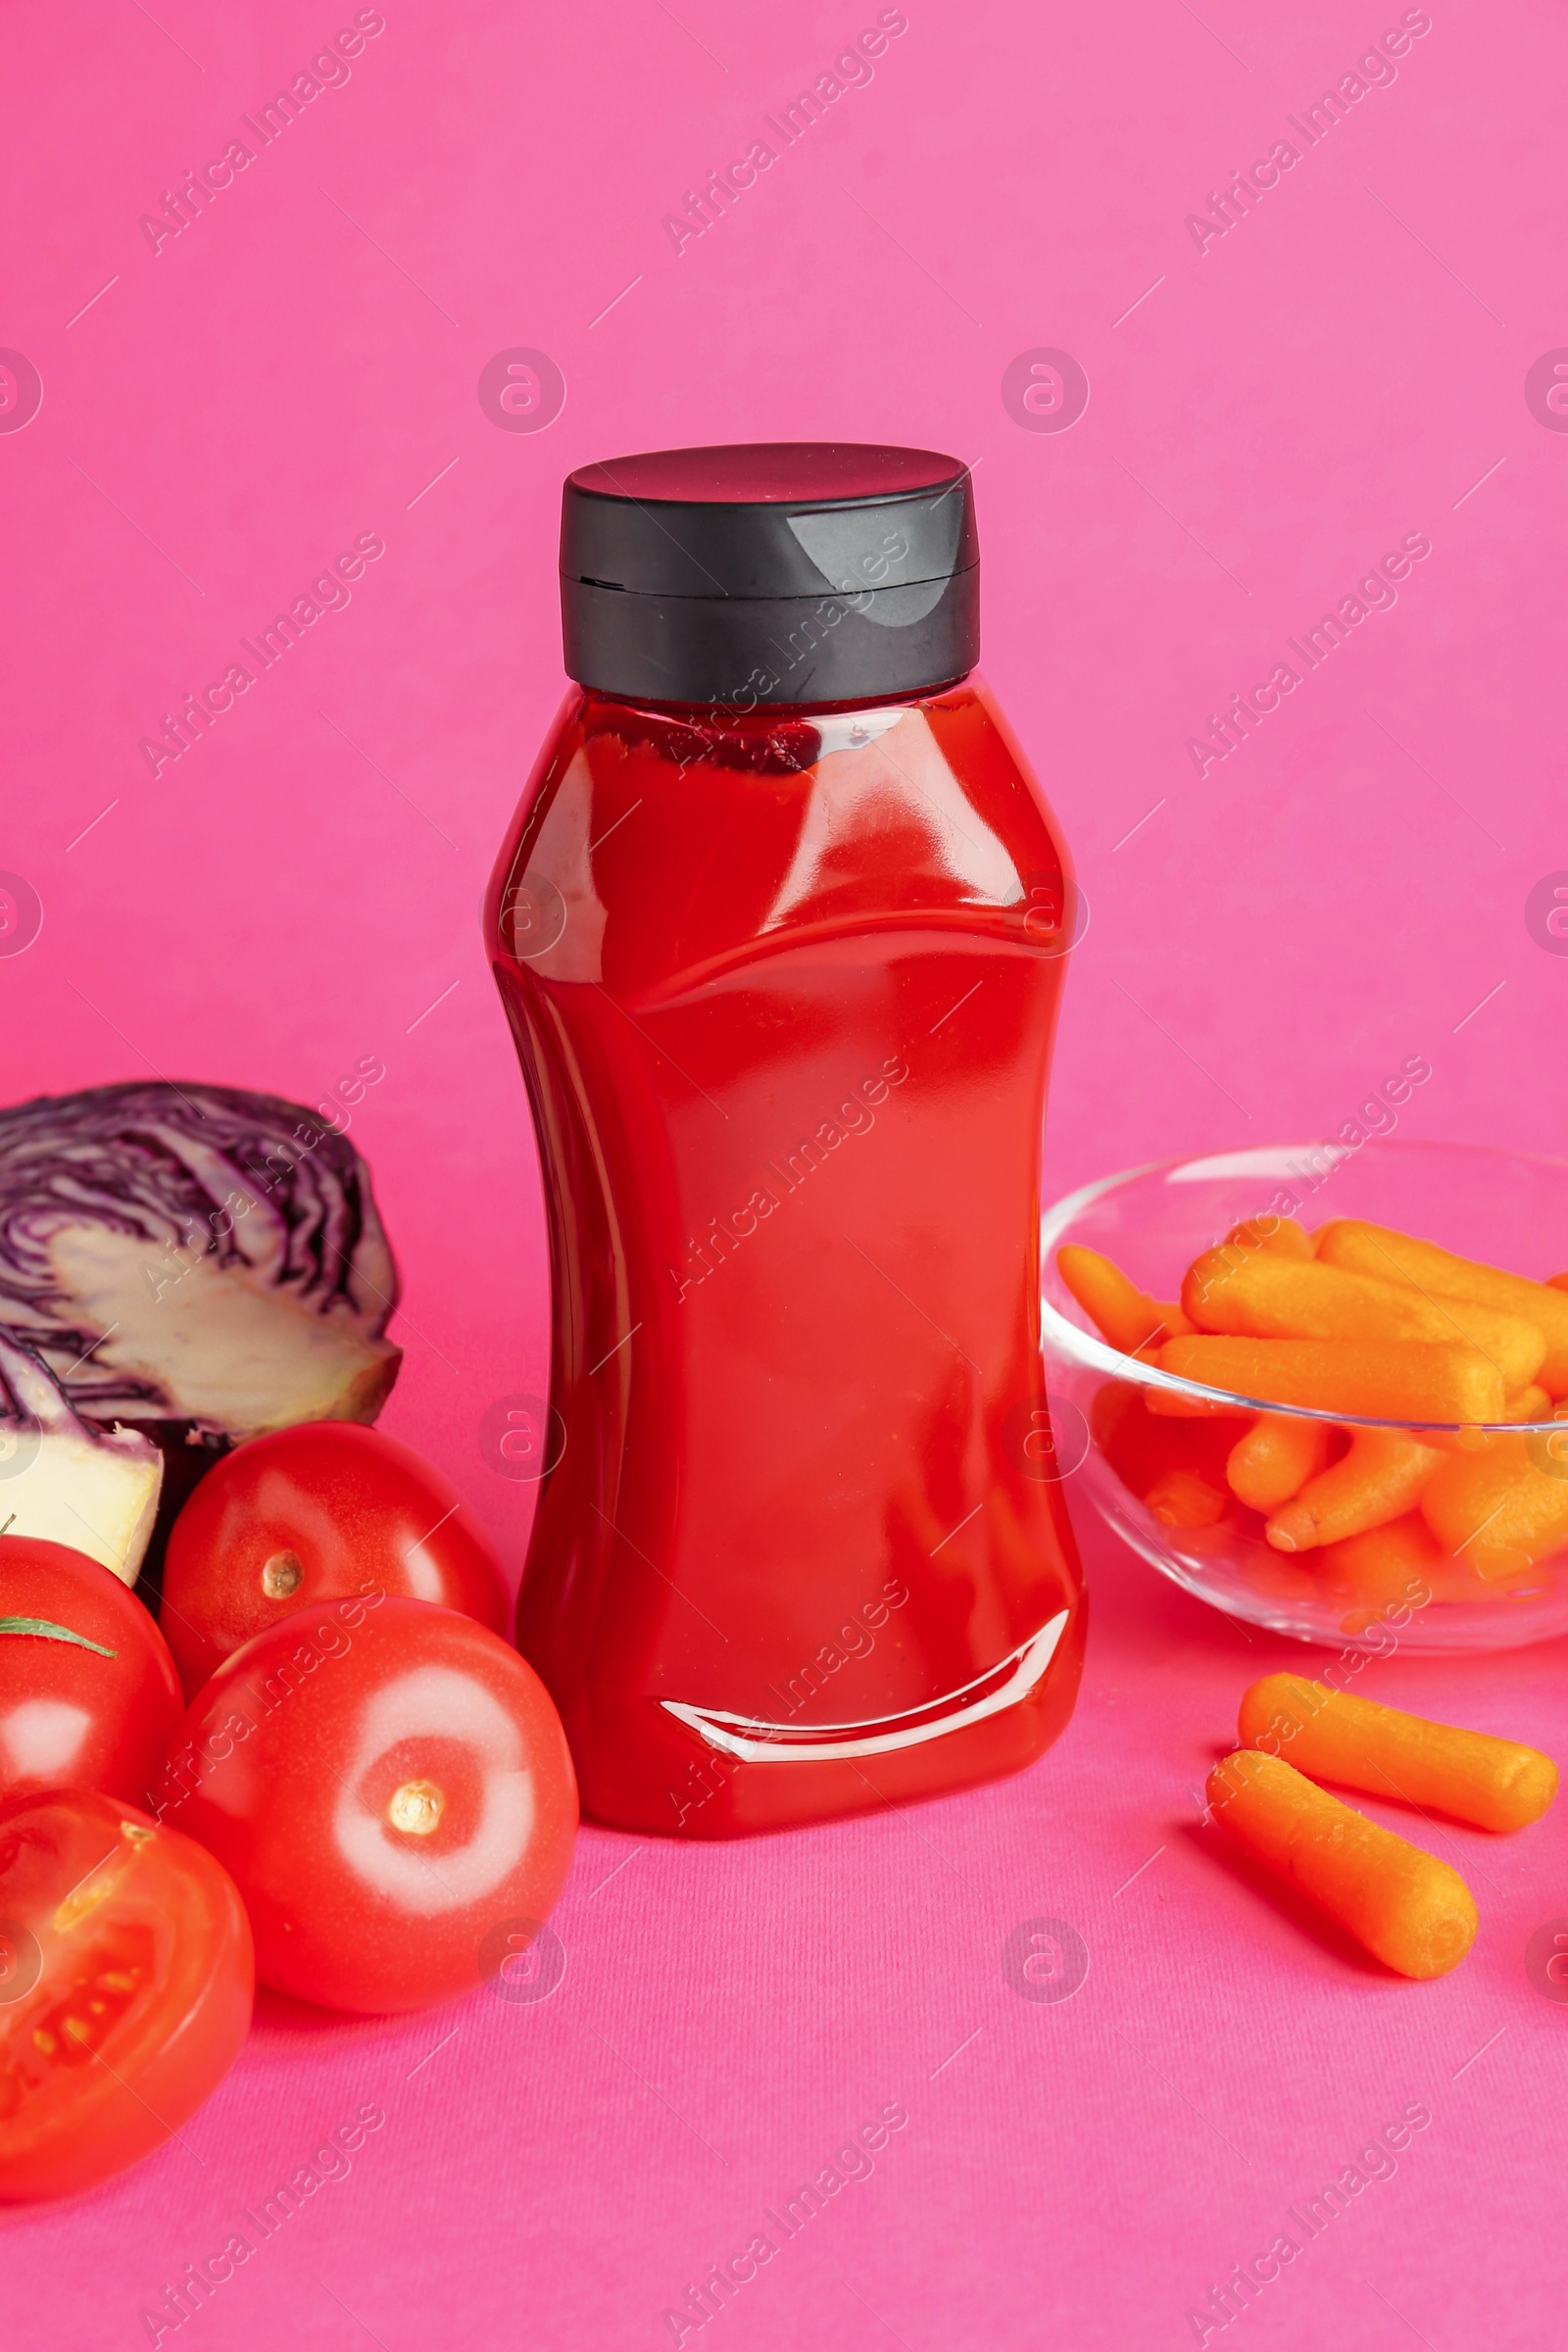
(1332, 1735)
(1126, 1315)
(1185, 1498)
(1267, 1297)
(1380, 1479)
(1496, 1509)
(1281, 1234)
(1531, 1403)
(1391, 1257)
(1386, 1379)
(1115, 1401)
(1410, 1910)
(1143, 1452)
(1399, 1562)
(1275, 1459)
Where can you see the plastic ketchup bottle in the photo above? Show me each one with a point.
(780, 930)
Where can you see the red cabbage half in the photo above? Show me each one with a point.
(194, 1253)
(68, 1479)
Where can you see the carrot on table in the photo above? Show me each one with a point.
(1275, 1459)
(1379, 1479)
(1388, 1255)
(1409, 1909)
(1332, 1735)
(1126, 1315)
(1268, 1297)
(1498, 1508)
(1385, 1380)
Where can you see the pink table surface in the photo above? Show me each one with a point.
(1366, 877)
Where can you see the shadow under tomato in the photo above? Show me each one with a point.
(282, 2023)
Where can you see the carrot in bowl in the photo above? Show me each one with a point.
(1382, 1380)
(1333, 1736)
(1411, 1911)
(1186, 1498)
(1496, 1508)
(1141, 1448)
(1388, 1255)
(1126, 1315)
(1275, 1459)
(1268, 1297)
(1281, 1234)
(1400, 1562)
(1379, 1479)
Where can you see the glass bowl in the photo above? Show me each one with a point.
(1500, 1206)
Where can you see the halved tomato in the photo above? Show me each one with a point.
(126, 1978)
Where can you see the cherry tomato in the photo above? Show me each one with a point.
(306, 1515)
(389, 1785)
(88, 1693)
(127, 1978)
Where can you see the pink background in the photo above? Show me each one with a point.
(302, 888)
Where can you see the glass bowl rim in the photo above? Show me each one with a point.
(1091, 1353)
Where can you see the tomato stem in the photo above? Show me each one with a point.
(52, 1633)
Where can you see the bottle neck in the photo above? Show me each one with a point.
(720, 716)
